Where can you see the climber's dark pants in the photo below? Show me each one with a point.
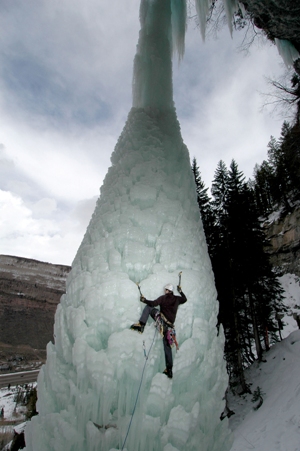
(152, 311)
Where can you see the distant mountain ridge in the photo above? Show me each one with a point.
(29, 293)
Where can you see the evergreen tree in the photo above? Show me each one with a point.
(219, 191)
(277, 181)
(224, 275)
(204, 203)
(290, 160)
(248, 291)
(262, 186)
(279, 164)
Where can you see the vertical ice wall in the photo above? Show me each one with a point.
(145, 228)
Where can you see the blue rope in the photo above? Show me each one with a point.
(137, 396)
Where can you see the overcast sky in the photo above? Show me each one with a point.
(65, 92)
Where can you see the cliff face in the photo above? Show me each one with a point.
(284, 246)
(278, 18)
(29, 293)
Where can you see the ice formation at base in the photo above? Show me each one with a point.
(287, 51)
(146, 228)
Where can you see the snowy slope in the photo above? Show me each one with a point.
(276, 424)
(291, 286)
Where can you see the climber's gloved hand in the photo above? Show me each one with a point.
(179, 289)
(142, 299)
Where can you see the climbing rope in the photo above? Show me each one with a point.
(138, 392)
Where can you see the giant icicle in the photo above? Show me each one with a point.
(146, 228)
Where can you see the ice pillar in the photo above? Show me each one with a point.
(152, 73)
(146, 228)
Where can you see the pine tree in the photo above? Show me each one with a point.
(290, 156)
(204, 203)
(222, 263)
(262, 186)
(278, 162)
(248, 290)
(219, 191)
(277, 180)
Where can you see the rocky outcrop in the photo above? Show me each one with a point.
(284, 242)
(29, 293)
(278, 18)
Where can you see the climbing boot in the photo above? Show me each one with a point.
(168, 372)
(138, 327)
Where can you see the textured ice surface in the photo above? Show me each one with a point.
(203, 8)
(146, 228)
(94, 368)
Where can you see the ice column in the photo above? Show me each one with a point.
(146, 228)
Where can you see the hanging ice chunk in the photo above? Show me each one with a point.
(287, 51)
(152, 63)
(179, 17)
(202, 8)
(231, 6)
(146, 228)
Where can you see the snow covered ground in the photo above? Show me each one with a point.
(12, 411)
(291, 285)
(276, 424)
(14, 414)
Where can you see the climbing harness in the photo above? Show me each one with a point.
(166, 329)
(138, 392)
(171, 338)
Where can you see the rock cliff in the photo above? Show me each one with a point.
(278, 18)
(29, 293)
(284, 242)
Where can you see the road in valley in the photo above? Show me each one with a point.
(21, 378)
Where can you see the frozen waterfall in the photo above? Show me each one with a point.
(146, 228)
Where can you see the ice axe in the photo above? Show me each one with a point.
(138, 285)
(179, 275)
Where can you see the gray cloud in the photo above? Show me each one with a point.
(65, 92)
(62, 61)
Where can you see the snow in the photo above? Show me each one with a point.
(291, 286)
(276, 424)
(6, 402)
(12, 412)
(274, 216)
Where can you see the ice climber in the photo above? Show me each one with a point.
(165, 318)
